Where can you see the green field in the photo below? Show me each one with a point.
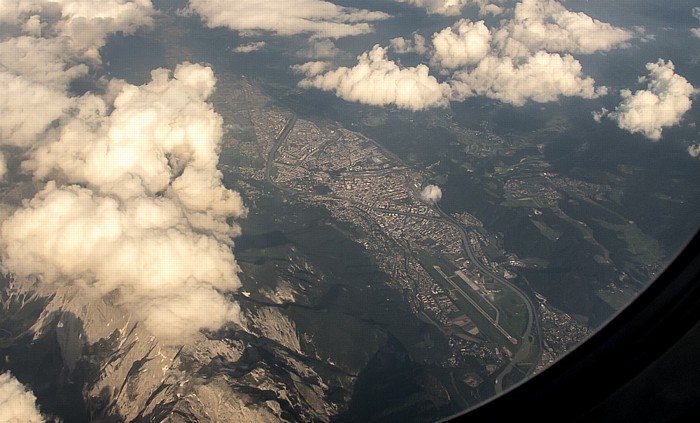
(619, 297)
(513, 312)
(642, 248)
(546, 230)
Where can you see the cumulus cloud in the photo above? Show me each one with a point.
(143, 252)
(12, 12)
(289, 17)
(431, 194)
(42, 60)
(85, 24)
(542, 77)
(311, 68)
(378, 81)
(401, 45)
(36, 71)
(250, 47)
(133, 208)
(146, 223)
(694, 150)
(662, 104)
(28, 108)
(464, 43)
(548, 25)
(17, 403)
(453, 7)
(521, 60)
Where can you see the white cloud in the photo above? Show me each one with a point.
(439, 7)
(17, 403)
(696, 15)
(143, 253)
(84, 23)
(250, 47)
(320, 49)
(431, 194)
(517, 62)
(33, 26)
(122, 152)
(318, 17)
(547, 25)
(42, 60)
(464, 43)
(378, 81)
(694, 150)
(147, 227)
(35, 72)
(598, 115)
(542, 77)
(147, 223)
(12, 12)
(311, 68)
(663, 104)
(87, 23)
(490, 9)
(401, 45)
(453, 7)
(27, 109)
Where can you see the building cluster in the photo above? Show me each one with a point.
(546, 188)
(468, 220)
(560, 332)
(540, 191)
(482, 143)
(362, 184)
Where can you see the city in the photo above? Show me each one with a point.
(448, 267)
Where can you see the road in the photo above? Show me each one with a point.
(528, 339)
(532, 331)
(531, 337)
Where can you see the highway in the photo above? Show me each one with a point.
(528, 338)
(532, 331)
